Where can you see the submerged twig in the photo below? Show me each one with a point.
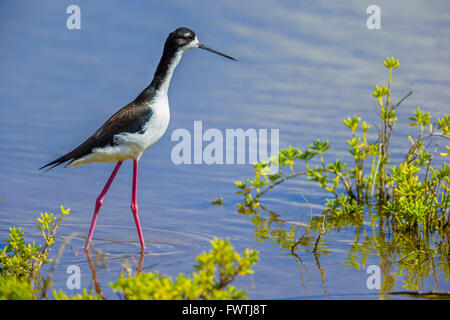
(428, 294)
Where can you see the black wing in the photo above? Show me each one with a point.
(130, 118)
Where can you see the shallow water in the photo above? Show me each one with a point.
(303, 66)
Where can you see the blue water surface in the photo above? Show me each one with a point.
(303, 67)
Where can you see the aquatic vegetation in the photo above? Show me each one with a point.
(415, 193)
(407, 202)
(216, 269)
(12, 288)
(60, 295)
(21, 262)
(217, 201)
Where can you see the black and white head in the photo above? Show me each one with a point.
(185, 39)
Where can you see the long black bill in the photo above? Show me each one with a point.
(201, 46)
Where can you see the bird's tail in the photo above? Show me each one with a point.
(55, 163)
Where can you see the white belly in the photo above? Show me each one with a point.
(154, 129)
(132, 145)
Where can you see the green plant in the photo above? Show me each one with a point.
(217, 202)
(12, 288)
(216, 269)
(60, 295)
(22, 261)
(414, 193)
(20, 264)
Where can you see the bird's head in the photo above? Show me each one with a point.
(185, 39)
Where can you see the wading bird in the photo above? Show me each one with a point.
(136, 127)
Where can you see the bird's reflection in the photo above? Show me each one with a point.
(100, 257)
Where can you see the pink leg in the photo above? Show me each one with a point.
(99, 203)
(134, 206)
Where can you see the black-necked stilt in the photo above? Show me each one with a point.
(137, 126)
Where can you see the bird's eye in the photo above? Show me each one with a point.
(188, 38)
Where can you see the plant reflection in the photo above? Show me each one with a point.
(100, 258)
(406, 259)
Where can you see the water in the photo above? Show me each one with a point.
(303, 66)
